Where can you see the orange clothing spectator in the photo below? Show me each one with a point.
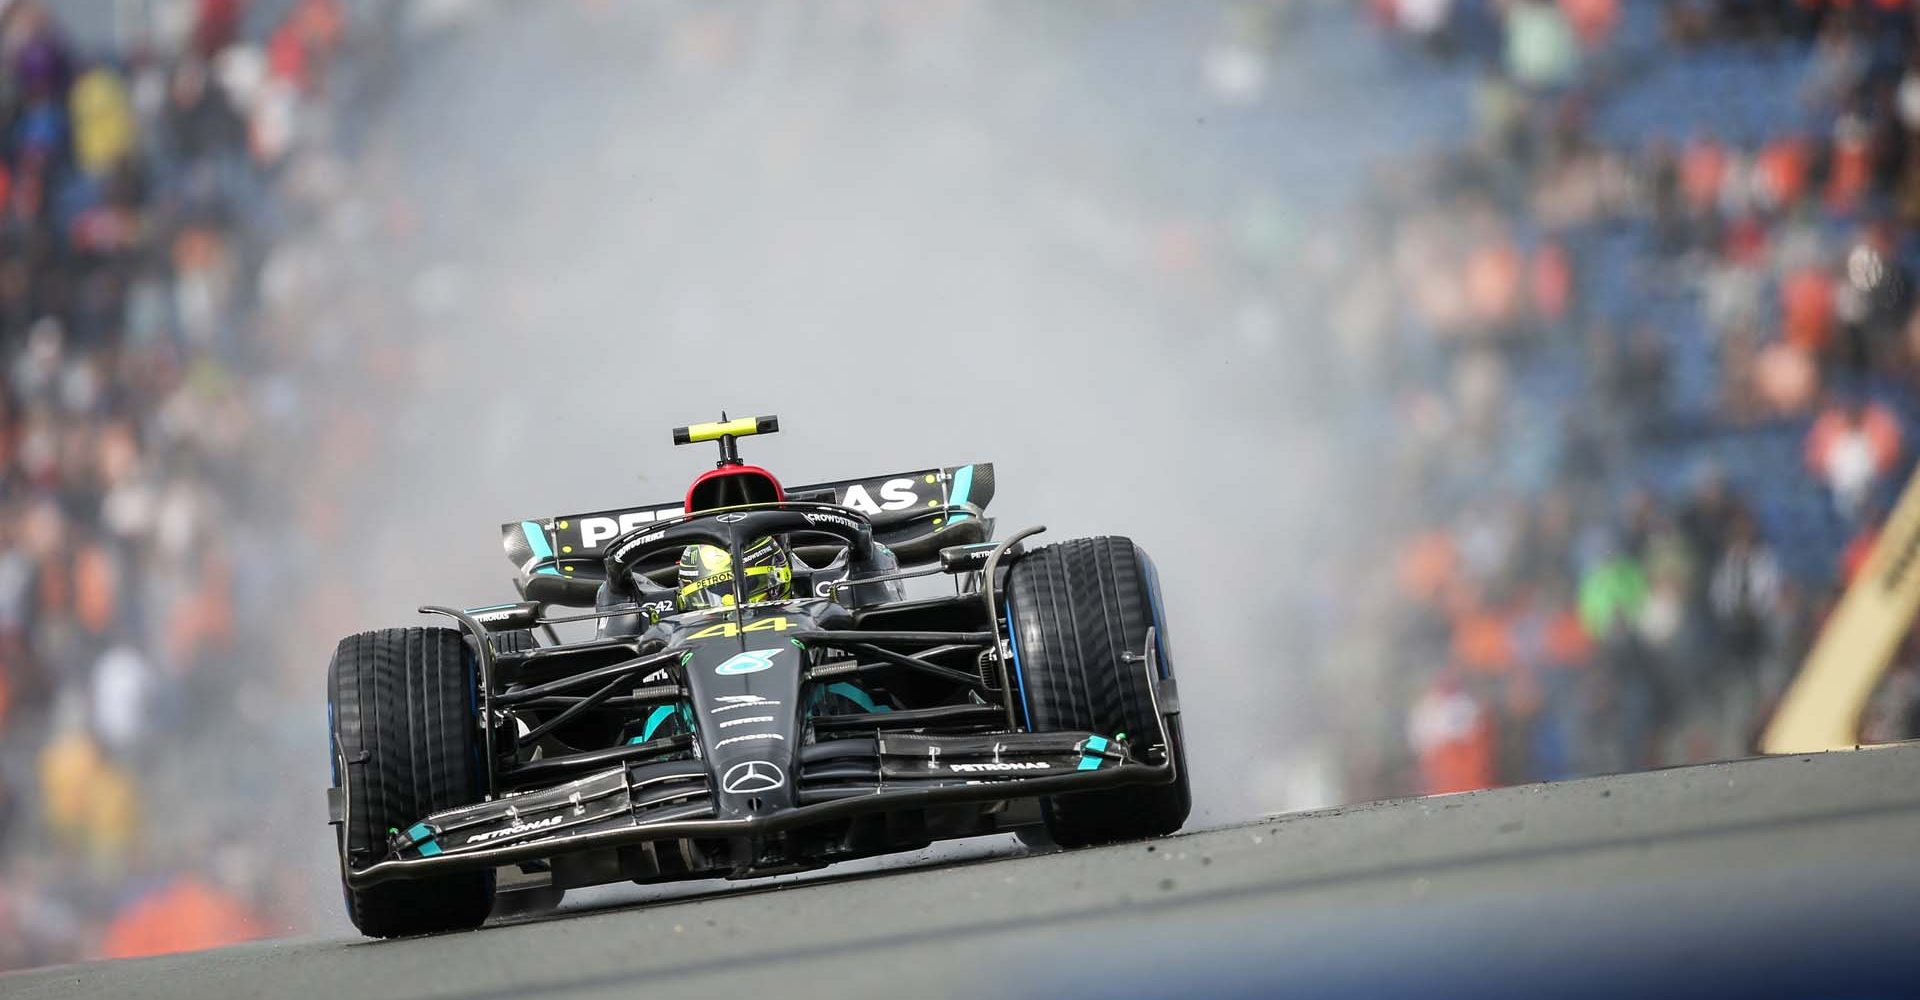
(185, 915)
(1483, 642)
(203, 620)
(1851, 169)
(1852, 448)
(287, 58)
(1427, 565)
(1806, 308)
(1854, 557)
(1745, 242)
(94, 585)
(1550, 281)
(1703, 165)
(1494, 284)
(298, 52)
(216, 25)
(1453, 736)
(1566, 642)
(1782, 168)
(1593, 20)
(1785, 378)
(322, 25)
(56, 588)
(1871, 426)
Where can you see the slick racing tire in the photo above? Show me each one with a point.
(1073, 610)
(402, 705)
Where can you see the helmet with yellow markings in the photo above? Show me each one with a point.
(707, 573)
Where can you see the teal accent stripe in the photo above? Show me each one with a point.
(1095, 744)
(962, 486)
(422, 836)
(857, 696)
(659, 715)
(537, 540)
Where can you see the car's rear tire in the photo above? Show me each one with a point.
(1074, 609)
(402, 705)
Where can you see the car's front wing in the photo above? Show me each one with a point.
(672, 800)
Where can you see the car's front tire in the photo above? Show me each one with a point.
(402, 703)
(1075, 611)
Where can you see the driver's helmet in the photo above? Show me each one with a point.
(706, 575)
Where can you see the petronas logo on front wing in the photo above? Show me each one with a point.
(751, 661)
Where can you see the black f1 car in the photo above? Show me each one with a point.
(788, 723)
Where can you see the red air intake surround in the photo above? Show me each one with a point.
(732, 486)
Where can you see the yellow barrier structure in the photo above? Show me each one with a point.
(1823, 706)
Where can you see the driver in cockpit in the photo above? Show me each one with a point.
(707, 575)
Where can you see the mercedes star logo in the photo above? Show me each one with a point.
(752, 777)
(730, 518)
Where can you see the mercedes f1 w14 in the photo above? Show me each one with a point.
(758, 696)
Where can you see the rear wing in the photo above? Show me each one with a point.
(556, 546)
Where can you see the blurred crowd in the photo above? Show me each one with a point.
(144, 190)
(1622, 380)
(1652, 376)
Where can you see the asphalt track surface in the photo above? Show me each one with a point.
(1800, 874)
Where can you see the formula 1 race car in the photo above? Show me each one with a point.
(758, 696)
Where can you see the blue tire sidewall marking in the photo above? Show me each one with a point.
(333, 764)
(1160, 640)
(1019, 678)
(333, 756)
(473, 711)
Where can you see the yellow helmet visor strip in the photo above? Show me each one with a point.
(781, 575)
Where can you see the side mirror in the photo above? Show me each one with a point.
(957, 559)
(543, 588)
(519, 616)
